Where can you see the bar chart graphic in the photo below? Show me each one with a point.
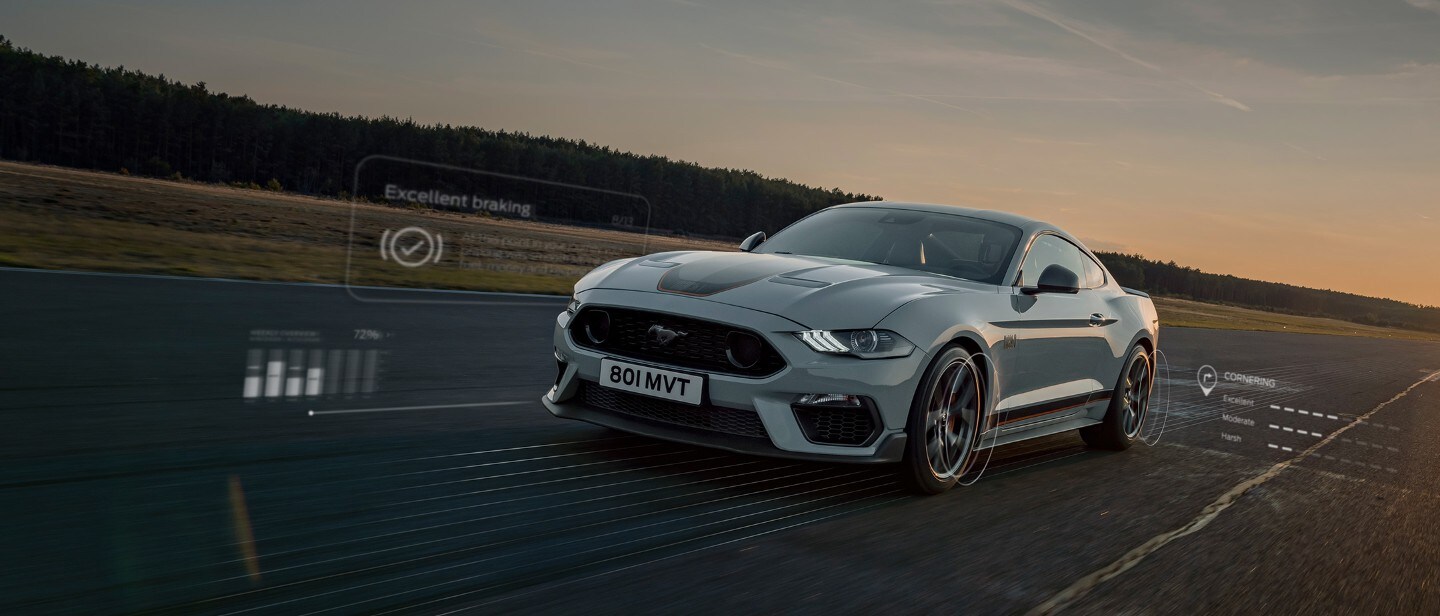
(308, 373)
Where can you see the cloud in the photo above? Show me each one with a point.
(497, 37)
(780, 66)
(1427, 5)
(1040, 13)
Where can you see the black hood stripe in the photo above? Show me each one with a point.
(722, 272)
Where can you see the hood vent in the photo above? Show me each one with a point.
(799, 282)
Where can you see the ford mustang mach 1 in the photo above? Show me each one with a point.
(870, 332)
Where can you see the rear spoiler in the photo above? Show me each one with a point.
(1134, 291)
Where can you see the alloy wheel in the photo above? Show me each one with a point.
(951, 415)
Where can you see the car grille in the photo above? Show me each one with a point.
(836, 426)
(739, 422)
(702, 347)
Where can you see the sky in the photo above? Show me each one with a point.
(1286, 140)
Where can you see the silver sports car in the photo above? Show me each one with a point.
(870, 332)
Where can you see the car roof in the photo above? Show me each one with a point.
(1029, 227)
(1014, 220)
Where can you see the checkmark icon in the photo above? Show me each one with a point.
(411, 250)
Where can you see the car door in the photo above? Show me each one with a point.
(1057, 339)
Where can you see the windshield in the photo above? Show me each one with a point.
(948, 244)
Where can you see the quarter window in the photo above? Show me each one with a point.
(1094, 274)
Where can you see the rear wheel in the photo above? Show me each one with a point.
(943, 423)
(1128, 405)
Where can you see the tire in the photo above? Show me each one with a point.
(1129, 405)
(950, 394)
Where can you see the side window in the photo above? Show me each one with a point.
(1094, 274)
(1051, 250)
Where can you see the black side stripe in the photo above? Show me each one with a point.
(1052, 406)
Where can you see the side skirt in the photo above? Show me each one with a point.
(1010, 417)
(1045, 429)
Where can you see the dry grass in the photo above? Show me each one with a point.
(58, 218)
(1186, 313)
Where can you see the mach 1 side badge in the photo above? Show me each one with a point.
(663, 336)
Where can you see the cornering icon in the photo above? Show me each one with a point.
(1207, 378)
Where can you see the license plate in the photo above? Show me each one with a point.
(666, 384)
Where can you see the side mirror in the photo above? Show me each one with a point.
(1055, 279)
(751, 242)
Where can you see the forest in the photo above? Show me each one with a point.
(70, 113)
(1169, 279)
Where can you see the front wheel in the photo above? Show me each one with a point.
(1128, 405)
(943, 424)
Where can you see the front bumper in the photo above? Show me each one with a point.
(889, 383)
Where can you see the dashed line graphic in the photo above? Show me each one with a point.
(1367, 443)
(1335, 459)
(1289, 409)
(1388, 427)
(1296, 430)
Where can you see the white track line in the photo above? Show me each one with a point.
(1084, 585)
(529, 472)
(550, 481)
(685, 553)
(544, 534)
(410, 608)
(372, 478)
(515, 461)
(420, 408)
(513, 487)
(481, 478)
(269, 606)
(557, 299)
(279, 505)
(1038, 463)
(325, 546)
(503, 449)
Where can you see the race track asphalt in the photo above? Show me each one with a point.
(135, 476)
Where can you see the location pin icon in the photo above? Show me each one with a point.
(1207, 378)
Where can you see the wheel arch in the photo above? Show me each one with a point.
(1144, 341)
(973, 345)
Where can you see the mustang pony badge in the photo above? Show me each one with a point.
(663, 336)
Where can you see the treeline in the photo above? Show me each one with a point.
(70, 113)
(1187, 282)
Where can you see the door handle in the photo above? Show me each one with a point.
(1097, 319)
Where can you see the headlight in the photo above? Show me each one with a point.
(862, 343)
(573, 306)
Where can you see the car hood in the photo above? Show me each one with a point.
(816, 292)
